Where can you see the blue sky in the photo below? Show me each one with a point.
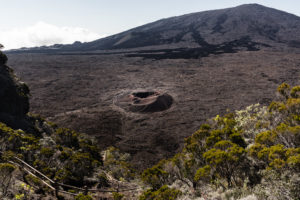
(45, 22)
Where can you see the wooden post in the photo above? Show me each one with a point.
(55, 185)
(85, 190)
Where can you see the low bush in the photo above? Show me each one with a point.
(162, 193)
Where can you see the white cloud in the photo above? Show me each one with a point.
(42, 33)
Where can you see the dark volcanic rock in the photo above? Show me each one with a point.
(14, 102)
(79, 92)
(3, 58)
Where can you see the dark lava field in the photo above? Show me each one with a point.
(144, 90)
(83, 92)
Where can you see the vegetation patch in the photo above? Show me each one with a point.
(239, 150)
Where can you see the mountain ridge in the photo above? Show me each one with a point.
(264, 26)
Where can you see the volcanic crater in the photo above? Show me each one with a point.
(145, 101)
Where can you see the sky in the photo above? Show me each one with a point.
(28, 23)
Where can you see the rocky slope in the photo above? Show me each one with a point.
(14, 98)
(259, 23)
(67, 158)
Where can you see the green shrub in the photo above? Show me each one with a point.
(102, 180)
(63, 175)
(284, 90)
(163, 193)
(34, 180)
(295, 92)
(67, 137)
(47, 152)
(203, 174)
(266, 138)
(118, 196)
(6, 170)
(83, 197)
(155, 176)
(227, 163)
(294, 162)
(118, 164)
(277, 106)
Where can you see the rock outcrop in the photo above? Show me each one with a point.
(14, 98)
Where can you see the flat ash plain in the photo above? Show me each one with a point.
(81, 91)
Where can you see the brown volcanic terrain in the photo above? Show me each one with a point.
(146, 89)
(81, 91)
